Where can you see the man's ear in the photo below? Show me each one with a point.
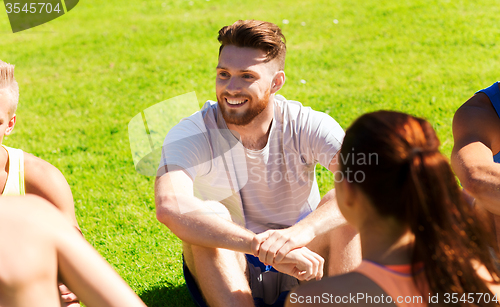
(278, 81)
(12, 123)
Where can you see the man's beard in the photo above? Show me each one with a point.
(234, 117)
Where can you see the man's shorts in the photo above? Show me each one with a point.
(269, 287)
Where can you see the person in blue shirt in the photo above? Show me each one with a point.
(475, 157)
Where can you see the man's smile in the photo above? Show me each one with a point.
(235, 102)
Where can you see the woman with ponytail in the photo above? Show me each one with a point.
(420, 244)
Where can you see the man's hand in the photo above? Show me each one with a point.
(273, 245)
(67, 297)
(302, 264)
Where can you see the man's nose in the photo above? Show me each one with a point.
(233, 86)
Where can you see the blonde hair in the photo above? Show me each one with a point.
(9, 84)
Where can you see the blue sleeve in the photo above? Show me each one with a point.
(493, 93)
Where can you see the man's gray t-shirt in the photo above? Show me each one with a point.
(271, 188)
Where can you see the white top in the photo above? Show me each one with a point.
(15, 178)
(266, 189)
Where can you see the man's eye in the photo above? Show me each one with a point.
(223, 74)
(246, 76)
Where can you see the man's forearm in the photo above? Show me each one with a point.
(272, 246)
(483, 183)
(487, 201)
(478, 173)
(202, 225)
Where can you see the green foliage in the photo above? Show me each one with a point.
(85, 75)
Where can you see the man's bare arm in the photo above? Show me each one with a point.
(202, 223)
(45, 180)
(476, 132)
(197, 222)
(272, 245)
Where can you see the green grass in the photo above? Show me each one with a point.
(84, 75)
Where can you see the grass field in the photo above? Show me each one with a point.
(84, 75)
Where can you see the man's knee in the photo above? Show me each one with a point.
(345, 252)
(341, 249)
(328, 196)
(335, 239)
(346, 232)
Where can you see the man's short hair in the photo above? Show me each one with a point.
(257, 34)
(9, 85)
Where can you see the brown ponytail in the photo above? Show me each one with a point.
(413, 182)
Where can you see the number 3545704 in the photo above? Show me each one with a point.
(32, 8)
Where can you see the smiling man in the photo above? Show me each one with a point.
(237, 182)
